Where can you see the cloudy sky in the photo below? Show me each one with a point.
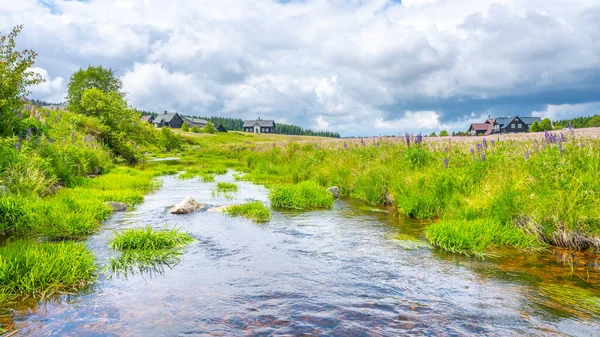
(358, 67)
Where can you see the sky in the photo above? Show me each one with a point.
(357, 67)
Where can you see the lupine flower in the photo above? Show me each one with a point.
(472, 150)
(493, 142)
(18, 146)
(407, 137)
(445, 163)
(479, 147)
(419, 138)
(345, 145)
(484, 143)
(28, 137)
(563, 137)
(20, 136)
(482, 156)
(526, 155)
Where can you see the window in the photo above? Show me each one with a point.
(512, 125)
(519, 126)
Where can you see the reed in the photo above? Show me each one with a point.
(254, 210)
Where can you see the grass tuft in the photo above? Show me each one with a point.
(305, 195)
(42, 269)
(254, 210)
(147, 238)
(223, 187)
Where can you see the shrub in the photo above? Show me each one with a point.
(41, 269)
(305, 195)
(196, 129)
(169, 140)
(185, 127)
(147, 238)
(209, 128)
(254, 210)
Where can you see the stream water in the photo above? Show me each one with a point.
(354, 270)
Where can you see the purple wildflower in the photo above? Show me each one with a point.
(445, 163)
(18, 146)
(485, 143)
(482, 156)
(28, 137)
(563, 137)
(345, 145)
(472, 150)
(419, 138)
(407, 137)
(493, 142)
(526, 155)
(479, 147)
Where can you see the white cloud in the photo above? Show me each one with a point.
(51, 89)
(345, 62)
(566, 111)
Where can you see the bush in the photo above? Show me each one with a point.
(169, 140)
(254, 210)
(185, 127)
(196, 129)
(209, 128)
(305, 195)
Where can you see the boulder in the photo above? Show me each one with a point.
(388, 200)
(117, 206)
(335, 191)
(53, 189)
(3, 190)
(185, 206)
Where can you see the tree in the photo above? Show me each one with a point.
(594, 122)
(443, 133)
(169, 140)
(546, 124)
(432, 134)
(535, 127)
(122, 128)
(185, 127)
(209, 128)
(196, 129)
(92, 77)
(15, 77)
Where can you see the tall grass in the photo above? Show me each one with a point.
(305, 195)
(224, 187)
(147, 238)
(254, 210)
(39, 270)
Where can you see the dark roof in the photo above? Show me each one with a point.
(261, 123)
(505, 121)
(481, 127)
(194, 120)
(166, 117)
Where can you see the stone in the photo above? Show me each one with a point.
(185, 206)
(389, 200)
(3, 190)
(335, 191)
(53, 189)
(117, 206)
(218, 209)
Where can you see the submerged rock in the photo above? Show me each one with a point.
(335, 191)
(185, 206)
(117, 206)
(218, 209)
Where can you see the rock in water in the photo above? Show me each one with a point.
(185, 206)
(117, 206)
(335, 191)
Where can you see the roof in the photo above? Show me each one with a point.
(504, 121)
(482, 127)
(147, 118)
(194, 120)
(260, 122)
(165, 117)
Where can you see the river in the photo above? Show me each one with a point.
(355, 270)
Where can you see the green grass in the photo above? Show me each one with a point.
(254, 210)
(147, 238)
(42, 269)
(207, 177)
(223, 187)
(305, 195)
(476, 236)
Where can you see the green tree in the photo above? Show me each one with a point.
(122, 131)
(169, 140)
(15, 77)
(196, 129)
(209, 128)
(92, 77)
(443, 133)
(594, 122)
(535, 127)
(546, 124)
(432, 134)
(185, 127)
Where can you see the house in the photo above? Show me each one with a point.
(259, 126)
(170, 119)
(221, 128)
(148, 118)
(193, 121)
(498, 125)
